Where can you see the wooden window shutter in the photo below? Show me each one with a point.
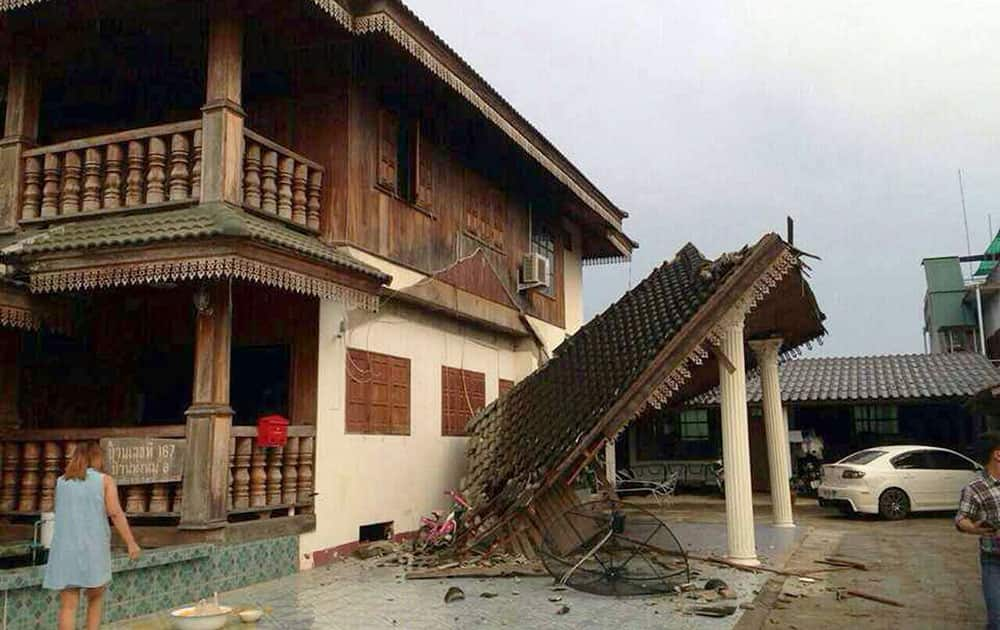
(505, 386)
(425, 173)
(463, 395)
(399, 396)
(388, 150)
(358, 380)
(378, 393)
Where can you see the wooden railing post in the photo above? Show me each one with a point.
(209, 419)
(20, 131)
(223, 115)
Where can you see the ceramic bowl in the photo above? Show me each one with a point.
(251, 615)
(188, 618)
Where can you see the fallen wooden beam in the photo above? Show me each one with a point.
(876, 598)
(499, 570)
(742, 567)
(838, 561)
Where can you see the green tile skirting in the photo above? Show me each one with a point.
(24, 577)
(163, 578)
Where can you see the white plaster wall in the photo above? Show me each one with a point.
(363, 479)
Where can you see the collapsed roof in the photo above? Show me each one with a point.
(654, 346)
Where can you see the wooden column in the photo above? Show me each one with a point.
(20, 130)
(209, 420)
(222, 115)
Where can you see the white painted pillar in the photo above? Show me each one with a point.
(736, 447)
(776, 428)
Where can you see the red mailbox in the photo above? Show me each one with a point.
(272, 431)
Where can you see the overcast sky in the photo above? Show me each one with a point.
(711, 121)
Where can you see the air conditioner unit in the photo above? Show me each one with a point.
(534, 271)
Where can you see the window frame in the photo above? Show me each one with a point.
(547, 250)
(694, 418)
(875, 419)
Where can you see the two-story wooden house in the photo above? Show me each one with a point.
(214, 210)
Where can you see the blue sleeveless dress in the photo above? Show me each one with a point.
(80, 556)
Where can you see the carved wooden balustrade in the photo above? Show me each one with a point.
(280, 182)
(266, 482)
(31, 461)
(130, 169)
(273, 480)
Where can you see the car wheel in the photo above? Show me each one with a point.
(894, 505)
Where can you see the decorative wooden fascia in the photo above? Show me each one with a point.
(212, 260)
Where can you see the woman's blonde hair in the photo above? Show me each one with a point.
(87, 455)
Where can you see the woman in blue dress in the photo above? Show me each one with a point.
(80, 555)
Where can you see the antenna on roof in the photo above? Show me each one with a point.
(965, 219)
(790, 230)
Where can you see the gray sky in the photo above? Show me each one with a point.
(710, 121)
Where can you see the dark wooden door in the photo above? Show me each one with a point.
(760, 477)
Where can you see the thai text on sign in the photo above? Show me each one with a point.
(133, 461)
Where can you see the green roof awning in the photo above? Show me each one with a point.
(986, 266)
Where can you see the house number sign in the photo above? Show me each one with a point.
(132, 461)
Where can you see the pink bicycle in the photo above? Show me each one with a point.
(437, 531)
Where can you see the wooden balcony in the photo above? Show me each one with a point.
(161, 167)
(262, 483)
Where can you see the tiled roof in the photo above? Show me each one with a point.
(887, 377)
(197, 222)
(522, 437)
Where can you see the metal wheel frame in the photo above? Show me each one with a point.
(605, 557)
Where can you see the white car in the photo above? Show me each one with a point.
(896, 480)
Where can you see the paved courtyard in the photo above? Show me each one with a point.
(922, 563)
(354, 594)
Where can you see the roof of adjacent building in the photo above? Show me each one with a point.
(876, 378)
(622, 357)
(196, 222)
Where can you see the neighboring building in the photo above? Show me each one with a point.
(951, 320)
(850, 402)
(316, 204)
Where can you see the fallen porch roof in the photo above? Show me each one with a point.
(653, 346)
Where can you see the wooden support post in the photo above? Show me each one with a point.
(20, 131)
(209, 420)
(222, 116)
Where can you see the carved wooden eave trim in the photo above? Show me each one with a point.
(247, 262)
(664, 393)
(337, 12)
(15, 317)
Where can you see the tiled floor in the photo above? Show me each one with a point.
(354, 595)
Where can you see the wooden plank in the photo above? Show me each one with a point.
(500, 570)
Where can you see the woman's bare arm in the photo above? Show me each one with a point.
(114, 509)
